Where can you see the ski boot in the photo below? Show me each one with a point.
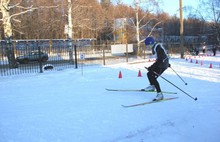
(158, 97)
(149, 88)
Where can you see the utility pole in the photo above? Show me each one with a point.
(181, 30)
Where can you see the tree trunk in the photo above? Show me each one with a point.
(137, 29)
(70, 30)
(10, 53)
(8, 34)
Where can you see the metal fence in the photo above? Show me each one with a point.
(36, 56)
(57, 55)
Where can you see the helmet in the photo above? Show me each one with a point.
(149, 41)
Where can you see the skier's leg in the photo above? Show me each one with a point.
(151, 77)
(154, 78)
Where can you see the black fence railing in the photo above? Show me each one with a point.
(37, 56)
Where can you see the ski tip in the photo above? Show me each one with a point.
(124, 106)
(110, 89)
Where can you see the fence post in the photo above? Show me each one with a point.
(40, 61)
(76, 64)
(103, 51)
(70, 43)
(126, 50)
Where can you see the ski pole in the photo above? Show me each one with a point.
(178, 75)
(174, 85)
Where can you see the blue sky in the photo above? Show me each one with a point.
(170, 6)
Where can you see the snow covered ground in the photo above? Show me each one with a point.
(73, 105)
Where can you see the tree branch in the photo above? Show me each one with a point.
(152, 30)
(30, 9)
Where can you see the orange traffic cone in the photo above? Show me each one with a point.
(139, 73)
(196, 61)
(120, 75)
(210, 65)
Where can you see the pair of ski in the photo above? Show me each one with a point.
(144, 103)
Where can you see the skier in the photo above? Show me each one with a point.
(204, 48)
(159, 66)
(214, 49)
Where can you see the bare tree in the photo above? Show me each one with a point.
(145, 20)
(209, 11)
(7, 26)
(213, 15)
(8, 17)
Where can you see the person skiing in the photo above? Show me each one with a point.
(204, 48)
(157, 68)
(214, 49)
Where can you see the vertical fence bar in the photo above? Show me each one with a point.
(76, 64)
(40, 58)
(106, 44)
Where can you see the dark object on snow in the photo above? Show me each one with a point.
(48, 67)
(214, 50)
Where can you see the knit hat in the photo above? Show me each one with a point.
(149, 41)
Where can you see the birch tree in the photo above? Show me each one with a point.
(8, 18)
(145, 20)
(7, 26)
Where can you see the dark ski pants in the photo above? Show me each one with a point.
(152, 77)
